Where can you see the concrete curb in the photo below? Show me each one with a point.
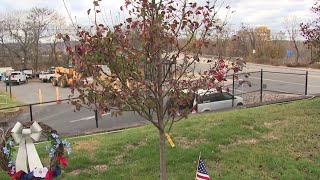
(6, 116)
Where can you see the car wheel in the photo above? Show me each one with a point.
(239, 105)
(54, 82)
(63, 83)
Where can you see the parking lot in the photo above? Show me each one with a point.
(29, 93)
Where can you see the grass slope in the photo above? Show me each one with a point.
(6, 101)
(271, 142)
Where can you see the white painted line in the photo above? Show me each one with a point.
(286, 82)
(88, 118)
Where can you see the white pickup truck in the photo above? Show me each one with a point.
(46, 76)
(17, 77)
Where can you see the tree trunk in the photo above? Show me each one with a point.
(163, 168)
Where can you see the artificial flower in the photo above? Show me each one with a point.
(11, 163)
(40, 172)
(17, 175)
(63, 161)
(56, 171)
(54, 135)
(49, 175)
(51, 154)
(69, 151)
(25, 176)
(5, 150)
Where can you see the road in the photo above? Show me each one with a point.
(63, 118)
(288, 80)
(68, 122)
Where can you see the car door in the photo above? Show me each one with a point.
(227, 102)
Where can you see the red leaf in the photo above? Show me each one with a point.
(63, 161)
(97, 11)
(49, 175)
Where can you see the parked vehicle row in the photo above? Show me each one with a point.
(16, 77)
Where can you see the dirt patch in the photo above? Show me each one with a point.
(119, 159)
(271, 136)
(246, 141)
(89, 145)
(187, 143)
(275, 123)
(97, 168)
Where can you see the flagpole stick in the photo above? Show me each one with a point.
(198, 165)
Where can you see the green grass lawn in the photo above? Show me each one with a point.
(271, 142)
(6, 101)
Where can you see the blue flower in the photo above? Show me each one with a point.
(56, 171)
(51, 154)
(11, 143)
(11, 163)
(56, 146)
(58, 141)
(54, 135)
(69, 151)
(5, 150)
(13, 170)
(48, 146)
(66, 143)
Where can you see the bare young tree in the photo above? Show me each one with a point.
(143, 71)
(291, 25)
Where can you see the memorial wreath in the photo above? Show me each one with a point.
(27, 164)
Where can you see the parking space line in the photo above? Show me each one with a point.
(88, 118)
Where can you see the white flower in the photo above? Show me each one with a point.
(40, 172)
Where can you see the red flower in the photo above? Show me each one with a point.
(63, 161)
(17, 175)
(49, 175)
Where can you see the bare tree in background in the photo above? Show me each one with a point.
(16, 36)
(38, 20)
(58, 25)
(291, 26)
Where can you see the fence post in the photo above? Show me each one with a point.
(96, 117)
(30, 107)
(10, 86)
(233, 91)
(306, 86)
(261, 85)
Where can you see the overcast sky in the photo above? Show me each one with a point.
(250, 12)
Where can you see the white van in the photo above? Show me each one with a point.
(210, 100)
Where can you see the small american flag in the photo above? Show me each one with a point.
(202, 173)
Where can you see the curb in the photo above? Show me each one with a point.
(6, 116)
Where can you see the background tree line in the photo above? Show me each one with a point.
(27, 39)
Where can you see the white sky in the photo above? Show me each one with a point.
(250, 12)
